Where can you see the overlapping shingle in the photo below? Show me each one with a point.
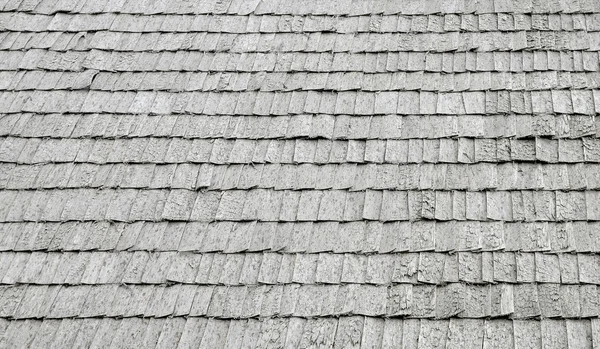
(329, 268)
(420, 301)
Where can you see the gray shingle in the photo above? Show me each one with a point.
(578, 333)
(179, 205)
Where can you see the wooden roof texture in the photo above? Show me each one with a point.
(300, 174)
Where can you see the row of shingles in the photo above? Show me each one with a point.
(285, 82)
(64, 22)
(222, 151)
(44, 80)
(288, 206)
(312, 42)
(520, 301)
(49, 55)
(170, 172)
(154, 332)
(303, 7)
(320, 126)
(176, 81)
(343, 332)
(482, 176)
(583, 102)
(437, 268)
(300, 237)
(267, 205)
(134, 54)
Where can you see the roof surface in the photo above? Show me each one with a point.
(300, 174)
